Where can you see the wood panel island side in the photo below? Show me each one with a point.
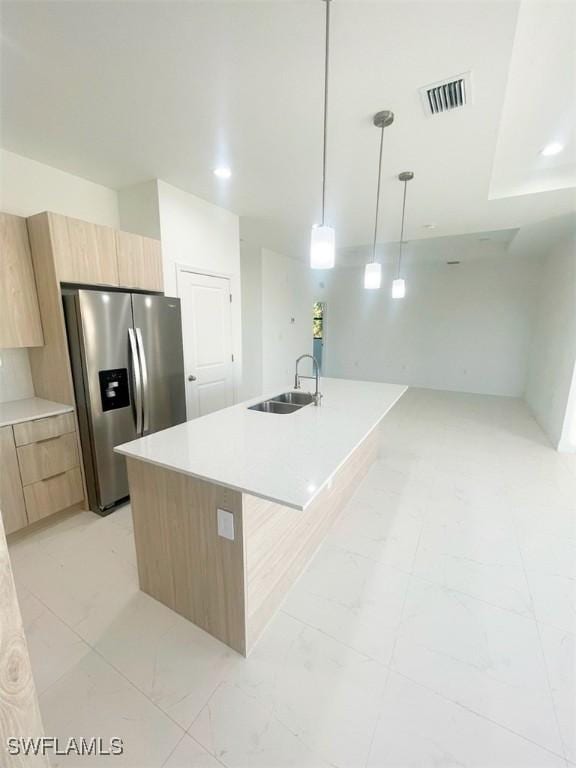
(276, 481)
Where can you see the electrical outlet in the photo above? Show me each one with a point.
(225, 524)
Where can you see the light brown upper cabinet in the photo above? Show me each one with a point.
(83, 252)
(139, 262)
(20, 324)
(67, 250)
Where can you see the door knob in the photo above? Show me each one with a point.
(191, 378)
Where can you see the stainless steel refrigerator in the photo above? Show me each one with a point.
(128, 370)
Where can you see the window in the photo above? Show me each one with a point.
(318, 321)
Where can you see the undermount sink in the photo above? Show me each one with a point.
(299, 398)
(271, 406)
(287, 402)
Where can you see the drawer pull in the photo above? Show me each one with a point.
(51, 476)
(42, 460)
(47, 439)
(41, 429)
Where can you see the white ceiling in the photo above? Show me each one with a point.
(540, 103)
(121, 92)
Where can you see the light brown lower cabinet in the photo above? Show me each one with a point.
(47, 458)
(41, 472)
(42, 429)
(11, 494)
(231, 588)
(53, 494)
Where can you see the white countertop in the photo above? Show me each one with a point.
(286, 458)
(16, 411)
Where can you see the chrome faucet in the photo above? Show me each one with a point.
(316, 377)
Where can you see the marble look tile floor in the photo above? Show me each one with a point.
(435, 627)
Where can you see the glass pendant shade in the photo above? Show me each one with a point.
(323, 238)
(398, 288)
(372, 276)
(322, 247)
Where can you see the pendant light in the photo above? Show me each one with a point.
(373, 270)
(323, 237)
(399, 284)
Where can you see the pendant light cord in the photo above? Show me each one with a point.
(326, 59)
(402, 228)
(378, 195)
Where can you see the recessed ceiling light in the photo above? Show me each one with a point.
(223, 173)
(554, 148)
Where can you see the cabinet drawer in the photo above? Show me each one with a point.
(42, 429)
(41, 460)
(48, 496)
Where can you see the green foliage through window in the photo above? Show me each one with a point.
(318, 321)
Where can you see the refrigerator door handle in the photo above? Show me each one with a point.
(145, 389)
(135, 360)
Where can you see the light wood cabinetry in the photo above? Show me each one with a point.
(39, 461)
(83, 252)
(50, 364)
(67, 250)
(93, 255)
(182, 562)
(20, 324)
(41, 471)
(42, 429)
(11, 495)
(53, 494)
(230, 588)
(139, 262)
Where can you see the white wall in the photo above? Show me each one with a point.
(204, 238)
(287, 311)
(26, 188)
(138, 208)
(463, 328)
(15, 375)
(553, 349)
(252, 363)
(276, 318)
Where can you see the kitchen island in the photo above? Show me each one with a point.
(229, 508)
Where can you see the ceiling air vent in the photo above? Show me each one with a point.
(446, 94)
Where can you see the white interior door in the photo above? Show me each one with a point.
(207, 338)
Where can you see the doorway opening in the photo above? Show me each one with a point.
(319, 332)
(568, 437)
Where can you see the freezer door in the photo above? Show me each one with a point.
(158, 329)
(104, 321)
